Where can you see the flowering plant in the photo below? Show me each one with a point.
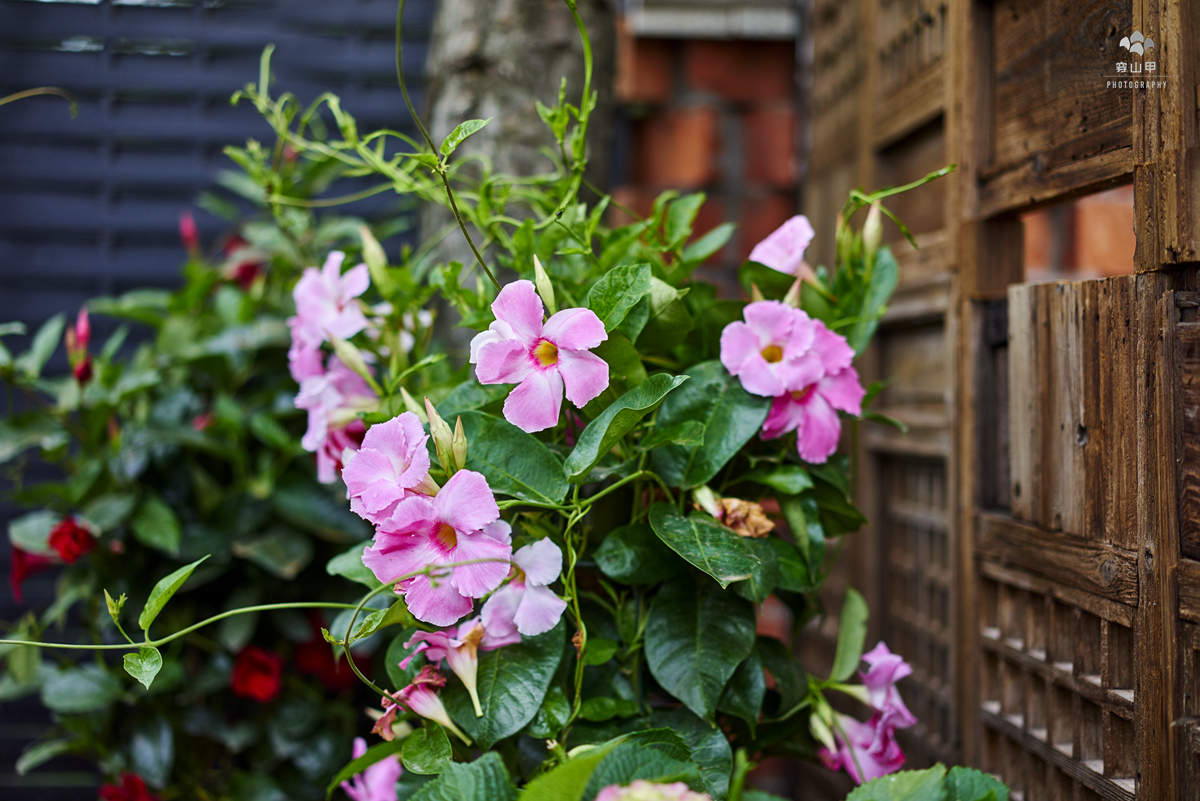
(568, 527)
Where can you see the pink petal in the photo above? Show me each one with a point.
(355, 282)
(520, 307)
(500, 530)
(331, 271)
(798, 373)
(348, 322)
(534, 405)
(402, 439)
(836, 354)
(371, 478)
(441, 605)
(786, 415)
(541, 562)
(503, 362)
(538, 611)
(584, 374)
(500, 609)
(771, 320)
(759, 377)
(817, 437)
(575, 329)
(466, 502)
(479, 579)
(802, 334)
(498, 331)
(784, 249)
(738, 344)
(304, 361)
(843, 391)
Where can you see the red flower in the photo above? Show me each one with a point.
(202, 421)
(246, 273)
(189, 233)
(131, 788)
(71, 540)
(257, 674)
(24, 565)
(83, 370)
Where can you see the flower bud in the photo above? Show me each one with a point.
(821, 733)
(544, 287)
(443, 439)
(707, 500)
(189, 233)
(458, 445)
(872, 233)
(792, 298)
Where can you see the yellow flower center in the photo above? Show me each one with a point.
(772, 353)
(546, 352)
(446, 535)
(801, 395)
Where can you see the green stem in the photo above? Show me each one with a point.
(741, 768)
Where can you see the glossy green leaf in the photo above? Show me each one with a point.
(633, 554)
(788, 478)
(152, 751)
(804, 519)
(624, 362)
(631, 761)
(42, 752)
(551, 716)
(144, 665)
(427, 750)
(689, 434)
(21, 432)
(681, 214)
(511, 682)
(599, 651)
(460, 133)
(155, 525)
(704, 247)
(31, 532)
(485, 779)
(763, 582)
(74, 691)
(470, 395)
(907, 785)
(513, 462)
(729, 414)
(882, 283)
(705, 543)
(376, 753)
(281, 551)
(709, 746)
(616, 421)
(163, 591)
(968, 784)
(793, 574)
(602, 708)
(743, 696)
(852, 635)
(397, 653)
(618, 291)
(790, 679)
(771, 283)
(310, 506)
(395, 615)
(42, 348)
(349, 564)
(669, 322)
(109, 511)
(570, 781)
(696, 636)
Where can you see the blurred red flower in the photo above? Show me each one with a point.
(131, 788)
(257, 674)
(71, 540)
(23, 565)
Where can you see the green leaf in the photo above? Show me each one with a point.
(349, 564)
(156, 526)
(163, 591)
(762, 583)
(968, 784)
(45, 341)
(396, 653)
(680, 216)
(144, 665)
(109, 511)
(631, 761)
(602, 708)
(485, 779)
(74, 691)
(633, 554)
(709, 746)
(884, 277)
(793, 572)
(804, 519)
(31, 532)
(743, 696)
(624, 362)
(689, 434)
(790, 678)
(852, 634)
(705, 543)
(616, 421)
(513, 462)
(907, 785)
(599, 651)
(730, 415)
(511, 683)
(635, 320)
(669, 321)
(704, 247)
(281, 551)
(309, 506)
(461, 132)
(568, 781)
(269, 432)
(772, 283)
(374, 754)
(696, 637)
(427, 750)
(470, 395)
(396, 614)
(42, 752)
(552, 715)
(618, 291)
(17, 434)
(788, 478)
(152, 751)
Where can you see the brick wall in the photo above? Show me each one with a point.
(1091, 237)
(717, 116)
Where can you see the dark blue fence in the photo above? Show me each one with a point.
(90, 206)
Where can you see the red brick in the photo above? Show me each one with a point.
(635, 198)
(742, 71)
(676, 148)
(769, 136)
(711, 214)
(1104, 237)
(645, 69)
(759, 216)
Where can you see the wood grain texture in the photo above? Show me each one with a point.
(1093, 567)
(1024, 405)
(1188, 357)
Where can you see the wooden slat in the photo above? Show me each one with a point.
(1101, 569)
(1189, 590)
(1120, 498)
(1033, 184)
(921, 301)
(1064, 403)
(1188, 356)
(900, 110)
(1024, 407)
(933, 257)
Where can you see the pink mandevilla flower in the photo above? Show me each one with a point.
(461, 523)
(810, 409)
(526, 604)
(333, 400)
(421, 698)
(784, 249)
(391, 464)
(642, 790)
(772, 351)
(461, 652)
(884, 669)
(325, 302)
(871, 746)
(377, 782)
(543, 359)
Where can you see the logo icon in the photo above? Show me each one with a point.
(1137, 43)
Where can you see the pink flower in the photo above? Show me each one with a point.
(772, 351)
(461, 652)
(304, 361)
(810, 409)
(325, 302)
(392, 463)
(188, 233)
(783, 250)
(543, 359)
(642, 790)
(526, 604)
(376, 783)
(421, 698)
(871, 746)
(884, 670)
(459, 524)
(333, 400)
